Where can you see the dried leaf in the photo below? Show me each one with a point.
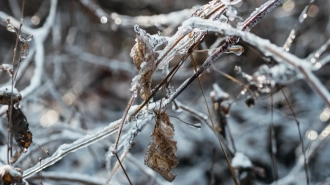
(160, 155)
(20, 129)
(7, 68)
(143, 59)
(24, 50)
(5, 95)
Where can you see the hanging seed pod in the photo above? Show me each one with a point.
(20, 129)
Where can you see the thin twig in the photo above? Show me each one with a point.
(119, 160)
(293, 33)
(70, 177)
(300, 137)
(68, 148)
(10, 151)
(123, 119)
(115, 168)
(213, 126)
(273, 141)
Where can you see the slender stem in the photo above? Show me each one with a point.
(123, 168)
(300, 137)
(273, 141)
(123, 119)
(213, 126)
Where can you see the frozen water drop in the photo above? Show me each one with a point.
(176, 108)
(318, 65)
(197, 126)
(104, 19)
(243, 92)
(29, 38)
(237, 50)
(231, 13)
(313, 60)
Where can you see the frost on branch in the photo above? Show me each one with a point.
(6, 94)
(161, 150)
(266, 78)
(7, 68)
(280, 74)
(143, 58)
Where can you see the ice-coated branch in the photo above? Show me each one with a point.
(325, 60)
(136, 126)
(175, 18)
(40, 35)
(293, 33)
(112, 64)
(144, 21)
(313, 57)
(71, 177)
(255, 17)
(265, 46)
(68, 148)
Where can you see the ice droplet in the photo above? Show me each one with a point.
(325, 115)
(312, 134)
(176, 108)
(237, 50)
(313, 60)
(104, 19)
(118, 21)
(303, 14)
(318, 65)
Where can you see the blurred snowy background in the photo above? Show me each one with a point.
(86, 77)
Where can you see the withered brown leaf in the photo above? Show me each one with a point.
(143, 59)
(20, 129)
(160, 155)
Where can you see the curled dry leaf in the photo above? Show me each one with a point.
(143, 58)
(5, 95)
(10, 175)
(7, 68)
(20, 129)
(160, 155)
